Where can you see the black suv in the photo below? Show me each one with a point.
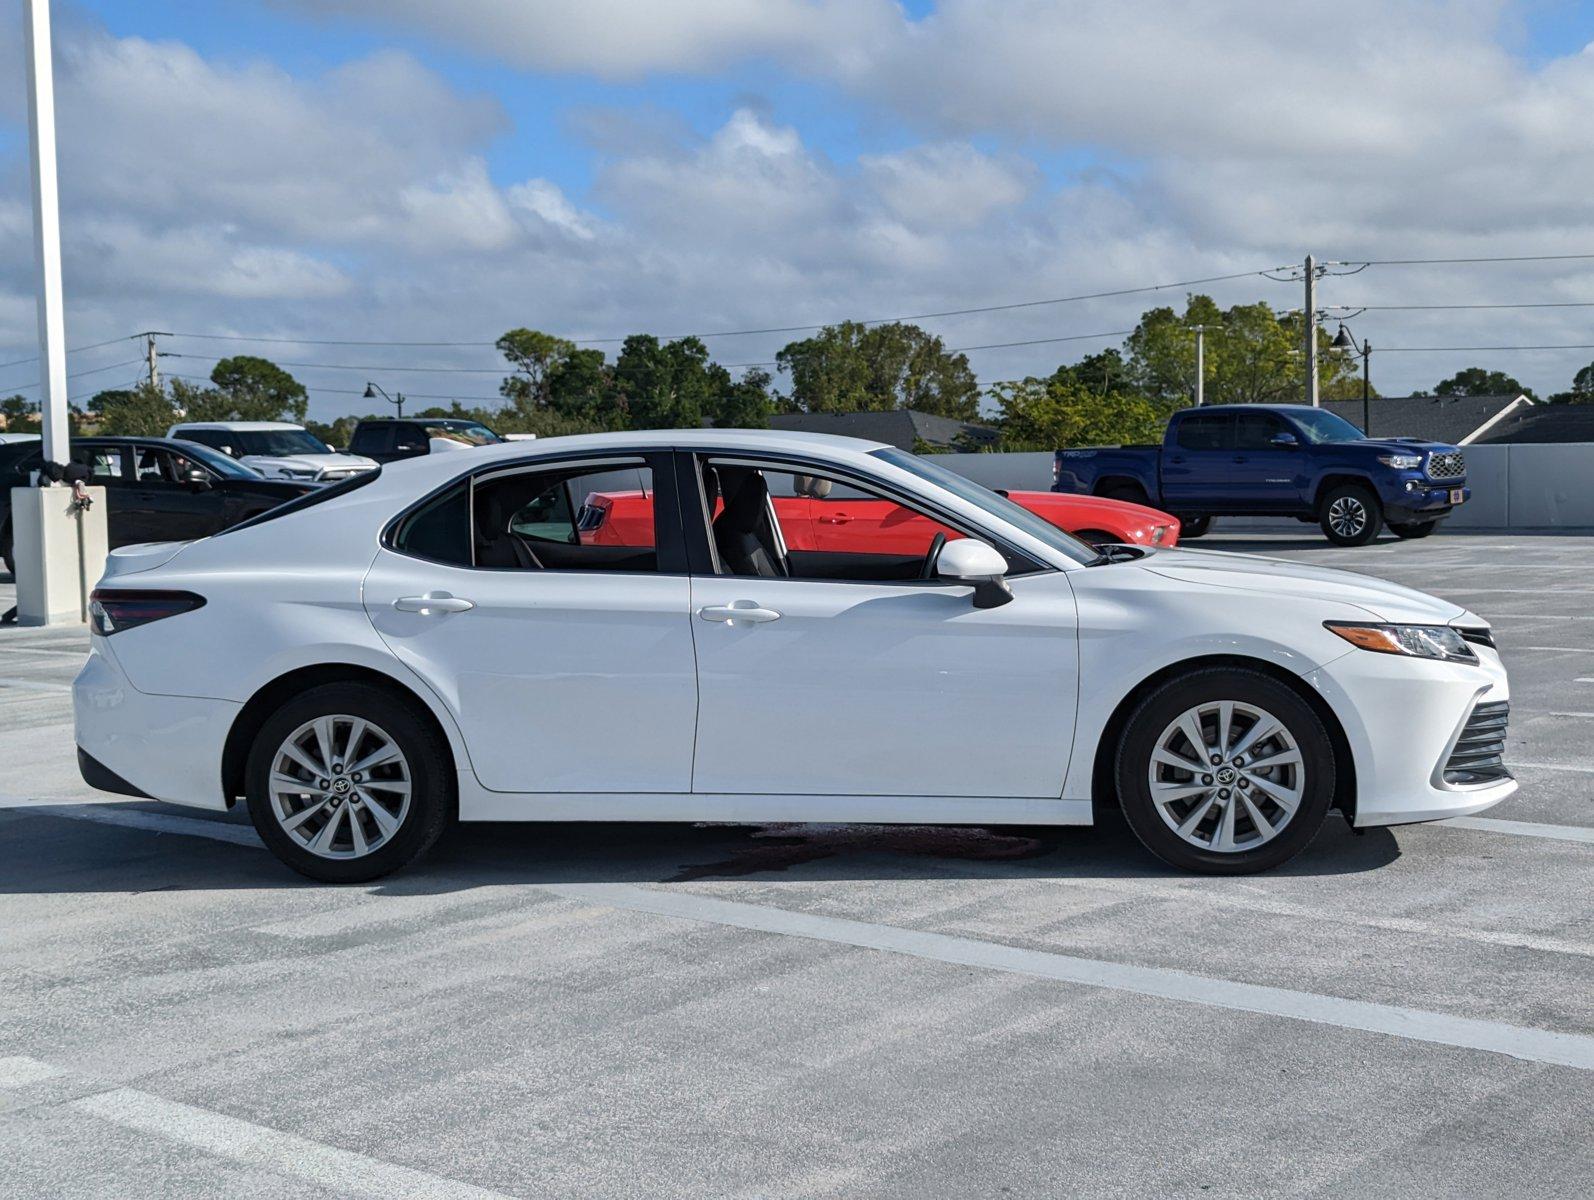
(387, 439)
(156, 489)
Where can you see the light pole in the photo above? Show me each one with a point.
(1201, 362)
(1344, 341)
(372, 390)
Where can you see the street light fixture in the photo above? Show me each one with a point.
(1344, 341)
(371, 391)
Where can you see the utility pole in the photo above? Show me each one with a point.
(150, 356)
(46, 233)
(1310, 313)
(1201, 362)
(1367, 406)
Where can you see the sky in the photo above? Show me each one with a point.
(318, 174)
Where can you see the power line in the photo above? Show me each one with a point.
(74, 375)
(1461, 349)
(1460, 307)
(1505, 258)
(17, 362)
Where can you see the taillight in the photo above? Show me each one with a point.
(111, 610)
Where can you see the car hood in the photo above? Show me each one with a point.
(1042, 502)
(1405, 446)
(1275, 576)
(321, 462)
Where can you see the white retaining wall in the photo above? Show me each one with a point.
(1539, 486)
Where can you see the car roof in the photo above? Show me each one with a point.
(1230, 408)
(237, 426)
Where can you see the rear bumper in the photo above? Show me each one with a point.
(135, 744)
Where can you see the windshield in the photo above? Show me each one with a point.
(471, 433)
(227, 468)
(998, 506)
(1320, 427)
(275, 443)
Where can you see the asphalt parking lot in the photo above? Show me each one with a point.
(817, 1011)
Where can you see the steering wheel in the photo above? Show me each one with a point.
(927, 571)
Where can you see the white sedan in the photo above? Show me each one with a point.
(490, 637)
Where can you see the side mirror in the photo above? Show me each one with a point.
(197, 478)
(1284, 441)
(969, 560)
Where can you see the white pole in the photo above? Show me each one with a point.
(1200, 365)
(46, 233)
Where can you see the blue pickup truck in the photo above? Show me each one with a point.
(1286, 460)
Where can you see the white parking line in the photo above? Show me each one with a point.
(1533, 766)
(341, 1172)
(18, 1072)
(1496, 1037)
(1559, 833)
(34, 685)
(134, 818)
(79, 654)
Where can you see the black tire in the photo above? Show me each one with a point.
(1194, 527)
(1412, 529)
(1350, 514)
(432, 800)
(1131, 493)
(1149, 723)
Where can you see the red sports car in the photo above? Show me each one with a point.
(818, 518)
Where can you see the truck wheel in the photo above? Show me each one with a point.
(1194, 527)
(1412, 529)
(1350, 515)
(1131, 493)
(1226, 771)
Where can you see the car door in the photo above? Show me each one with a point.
(1197, 467)
(1266, 475)
(861, 679)
(167, 508)
(568, 666)
(846, 519)
(109, 465)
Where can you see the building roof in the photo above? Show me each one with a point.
(1453, 419)
(1543, 423)
(903, 428)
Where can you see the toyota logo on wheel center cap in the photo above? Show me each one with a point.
(1226, 774)
(341, 785)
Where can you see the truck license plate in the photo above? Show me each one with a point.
(1456, 495)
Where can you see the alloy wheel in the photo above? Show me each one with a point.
(1348, 516)
(340, 786)
(1227, 776)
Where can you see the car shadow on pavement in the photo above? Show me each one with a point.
(40, 853)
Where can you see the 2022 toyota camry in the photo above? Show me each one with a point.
(437, 639)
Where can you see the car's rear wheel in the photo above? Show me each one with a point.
(1194, 527)
(1131, 493)
(1412, 529)
(1350, 514)
(1225, 771)
(349, 782)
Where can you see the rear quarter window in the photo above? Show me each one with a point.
(308, 500)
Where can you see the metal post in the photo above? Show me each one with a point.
(46, 233)
(1200, 365)
(151, 356)
(1367, 410)
(1311, 331)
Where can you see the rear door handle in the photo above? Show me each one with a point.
(433, 604)
(741, 610)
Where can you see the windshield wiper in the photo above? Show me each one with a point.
(1113, 553)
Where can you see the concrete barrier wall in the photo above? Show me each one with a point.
(1548, 486)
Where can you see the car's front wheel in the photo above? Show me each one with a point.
(1350, 515)
(1225, 771)
(348, 782)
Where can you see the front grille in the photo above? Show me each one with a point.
(1479, 756)
(1447, 464)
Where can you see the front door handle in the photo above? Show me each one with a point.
(433, 604)
(741, 610)
(834, 519)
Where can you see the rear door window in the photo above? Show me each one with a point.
(1206, 431)
(1256, 431)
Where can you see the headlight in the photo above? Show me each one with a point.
(1418, 641)
(1401, 462)
(1158, 533)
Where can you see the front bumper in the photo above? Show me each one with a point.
(164, 747)
(1402, 717)
(1414, 497)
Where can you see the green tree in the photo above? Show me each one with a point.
(1051, 414)
(534, 356)
(859, 368)
(1476, 381)
(1253, 356)
(247, 388)
(743, 403)
(1102, 372)
(143, 411)
(1582, 389)
(666, 385)
(19, 414)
